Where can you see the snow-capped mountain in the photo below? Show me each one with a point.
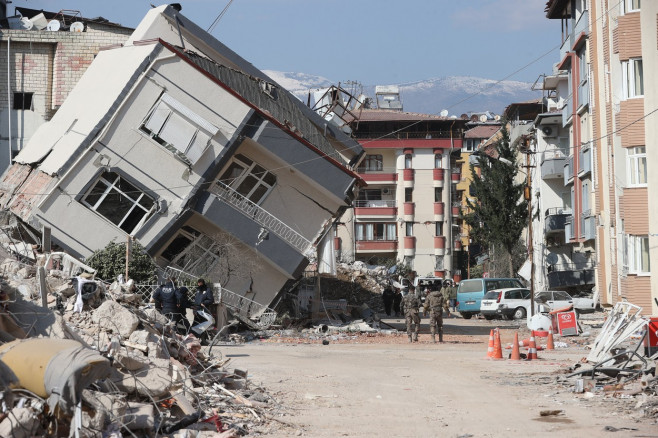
(457, 94)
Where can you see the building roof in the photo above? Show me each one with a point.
(527, 110)
(376, 115)
(482, 131)
(66, 17)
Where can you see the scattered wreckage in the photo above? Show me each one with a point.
(108, 365)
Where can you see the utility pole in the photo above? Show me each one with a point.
(527, 194)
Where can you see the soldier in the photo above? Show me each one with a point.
(453, 296)
(436, 303)
(445, 292)
(410, 305)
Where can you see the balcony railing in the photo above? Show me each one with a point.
(566, 275)
(381, 203)
(567, 111)
(583, 94)
(260, 216)
(552, 164)
(556, 219)
(569, 231)
(568, 170)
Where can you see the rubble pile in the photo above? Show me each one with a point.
(99, 363)
(358, 284)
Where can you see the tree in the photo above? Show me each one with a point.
(499, 213)
(110, 262)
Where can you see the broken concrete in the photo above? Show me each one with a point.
(115, 318)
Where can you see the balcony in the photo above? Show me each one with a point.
(260, 216)
(567, 112)
(587, 225)
(583, 95)
(552, 164)
(456, 175)
(409, 245)
(456, 209)
(379, 208)
(568, 171)
(585, 161)
(457, 245)
(439, 245)
(409, 211)
(566, 275)
(582, 26)
(437, 177)
(439, 211)
(378, 177)
(376, 246)
(408, 177)
(555, 220)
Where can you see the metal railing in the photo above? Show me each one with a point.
(260, 216)
(375, 203)
(558, 210)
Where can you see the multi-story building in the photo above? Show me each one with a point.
(406, 212)
(44, 54)
(606, 52)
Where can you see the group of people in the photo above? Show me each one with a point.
(173, 302)
(436, 301)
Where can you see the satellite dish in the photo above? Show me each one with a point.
(551, 258)
(483, 118)
(26, 23)
(77, 26)
(444, 113)
(496, 117)
(53, 25)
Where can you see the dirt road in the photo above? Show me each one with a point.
(398, 389)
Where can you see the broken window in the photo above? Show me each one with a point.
(248, 178)
(22, 101)
(119, 201)
(179, 129)
(192, 251)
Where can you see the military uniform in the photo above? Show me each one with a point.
(445, 292)
(436, 303)
(410, 304)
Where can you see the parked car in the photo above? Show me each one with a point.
(471, 292)
(558, 299)
(506, 303)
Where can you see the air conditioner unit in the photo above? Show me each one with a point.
(549, 131)
(386, 191)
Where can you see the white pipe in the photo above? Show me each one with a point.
(106, 127)
(9, 96)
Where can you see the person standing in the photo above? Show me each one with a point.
(410, 305)
(453, 296)
(387, 296)
(436, 305)
(397, 300)
(445, 292)
(166, 300)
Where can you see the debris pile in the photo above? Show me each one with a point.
(97, 362)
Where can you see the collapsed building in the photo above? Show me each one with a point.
(176, 141)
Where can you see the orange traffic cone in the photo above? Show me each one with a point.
(490, 349)
(532, 349)
(498, 349)
(549, 343)
(516, 355)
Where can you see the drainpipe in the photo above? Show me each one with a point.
(107, 125)
(9, 96)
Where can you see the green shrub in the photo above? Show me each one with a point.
(110, 262)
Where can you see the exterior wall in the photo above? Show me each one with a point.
(650, 61)
(48, 64)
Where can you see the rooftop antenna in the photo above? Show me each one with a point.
(219, 17)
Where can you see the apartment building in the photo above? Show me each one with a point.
(43, 55)
(607, 50)
(407, 211)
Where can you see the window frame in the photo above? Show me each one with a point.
(236, 182)
(635, 160)
(635, 244)
(196, 238)
(114, 184)
(409, 229)
(371, 163)
(408, 161)
(627, 6)
(438, 159)
(365, 232)
(628, 83)
(25, 98)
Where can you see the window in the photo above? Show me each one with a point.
(438, 194)
(438, 229)
(372, 163)
(637, 249)
(408, 194)
(637, 166)
(632, 78)
(407, 161)
(192, 251)
(376, 231)
(437, 161)
(248, 178)
(438, 263)
(409, 228)
(119, 201)
(630, 6)
(178, 129)
(22, 101)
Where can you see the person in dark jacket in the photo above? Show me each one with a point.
(183, 304)
(397, 300)
(203, 300)
(387, 297)
(167, 300)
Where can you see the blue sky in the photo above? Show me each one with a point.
(369, 41)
